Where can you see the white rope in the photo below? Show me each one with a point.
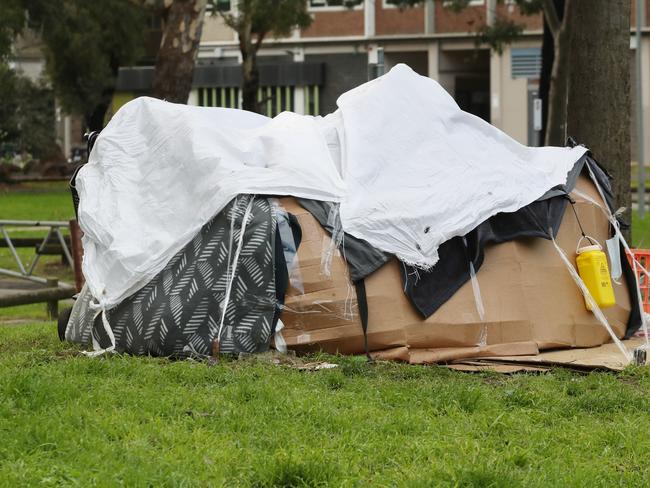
(98, 350)
(477, 293)
(278, 339)
(235, 260)
(478, 300)
(598, 313)
(232, 234)
(329, 248)
(612, 219)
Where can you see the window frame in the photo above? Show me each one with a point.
(210, 8)
(472, 3)
(332, 8)
(388, 6)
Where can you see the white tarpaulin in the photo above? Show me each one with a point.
(410, 168)
(420, 171)
(159, 171)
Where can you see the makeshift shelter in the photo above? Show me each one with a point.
(416, 232)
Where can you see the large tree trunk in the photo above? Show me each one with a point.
(95, 119)
(558, 87)
(96, 116)
(183, 22)
(250, 72)
(598, 112)
(250, 81)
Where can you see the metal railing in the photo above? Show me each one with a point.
(26, 270)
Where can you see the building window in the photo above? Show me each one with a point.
(220, 6)
(334, 4)
(471, 3)
(312, 100)
(391, 4)
(226, 97)
(445, 3)
(526, 62)
(275, 99)
(272, 99)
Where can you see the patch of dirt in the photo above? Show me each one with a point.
(18, 322)
(290, 360)
(628, 380)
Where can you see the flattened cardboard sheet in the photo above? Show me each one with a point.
(606, 357)
(479, 367)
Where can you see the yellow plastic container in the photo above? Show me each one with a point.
(594, 271)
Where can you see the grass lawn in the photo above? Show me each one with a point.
(70, 420)
(641, 231)
(67, 420)
(34, 201)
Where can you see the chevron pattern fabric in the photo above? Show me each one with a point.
(179, 312)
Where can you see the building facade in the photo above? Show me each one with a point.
(345, 46)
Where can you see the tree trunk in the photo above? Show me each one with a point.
(558, 89)
(548, 58)
(598, 112)
(179, 47)
(250, 71)
(250, 81)
(95, 119)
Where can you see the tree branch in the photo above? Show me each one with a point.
(552, 19)
(228, 19)
(259, 40)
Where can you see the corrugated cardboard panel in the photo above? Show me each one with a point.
(531, 302)
(606, 356)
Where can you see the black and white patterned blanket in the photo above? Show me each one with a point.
(179, 313)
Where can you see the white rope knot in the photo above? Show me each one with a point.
(98, 350)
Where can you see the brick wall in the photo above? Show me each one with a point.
(531, 22)
(466, 20)
(393, 21)
(336, 23)
(389, 21)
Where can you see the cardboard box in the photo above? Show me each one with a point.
(531, 302)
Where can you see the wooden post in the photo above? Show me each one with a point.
(12, 298)
(77, 253)
(53, 305)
